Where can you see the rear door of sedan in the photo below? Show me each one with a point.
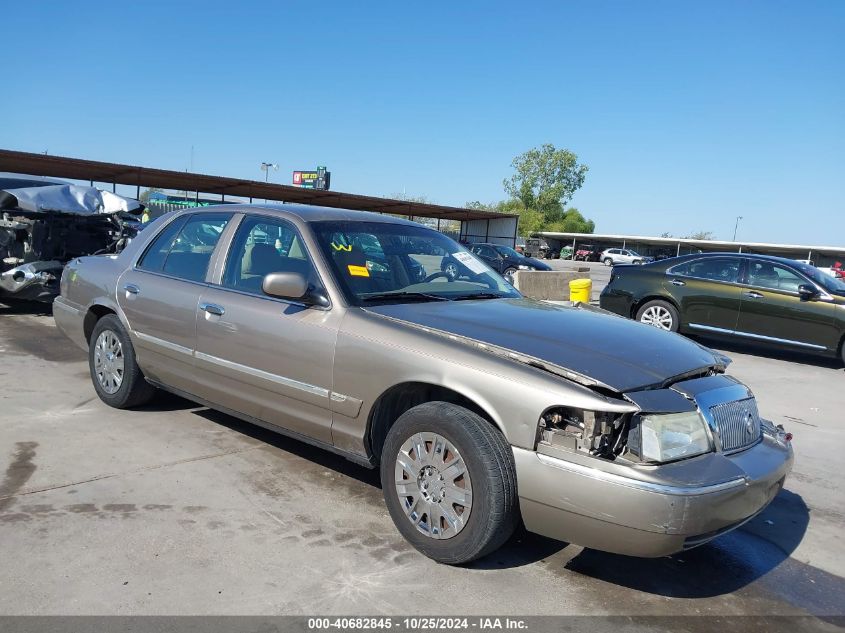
(260, 355)
(773, 311)
(708, 292)
(160, 292)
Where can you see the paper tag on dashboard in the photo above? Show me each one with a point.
(468, 260)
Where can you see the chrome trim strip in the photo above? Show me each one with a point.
(266, 375)
(648, 486)
(166, 344)
(58, 301)
(760, 337)
(710, 328)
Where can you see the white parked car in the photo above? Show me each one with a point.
(614, 256)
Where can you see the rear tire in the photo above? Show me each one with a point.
(660, 314)
(118, 380)
(508, 275)
(480, 481)
(608, 261)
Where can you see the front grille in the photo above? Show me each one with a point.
(737, 423)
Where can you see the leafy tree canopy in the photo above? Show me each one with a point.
(546, 179)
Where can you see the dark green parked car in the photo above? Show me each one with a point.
(753, 297)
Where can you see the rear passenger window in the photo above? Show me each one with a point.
(184, 248)
(157, 252)
(715, 269)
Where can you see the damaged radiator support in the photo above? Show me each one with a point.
(593, 432)
(33, 250)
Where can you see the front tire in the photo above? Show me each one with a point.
(449, 482)
(659, 314)
(118, 380)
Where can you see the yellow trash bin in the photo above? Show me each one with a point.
(580, 290)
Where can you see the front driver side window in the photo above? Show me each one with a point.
(262, 246)
(766, 275)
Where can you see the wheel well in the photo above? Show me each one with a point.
(399, 398)
(94, 314)
(635, 307)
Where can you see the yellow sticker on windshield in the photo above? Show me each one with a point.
(341, 247)
(358, 271)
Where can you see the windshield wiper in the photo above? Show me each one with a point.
(413, 296)
(479, 295)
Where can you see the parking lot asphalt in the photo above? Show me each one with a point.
(177, 509)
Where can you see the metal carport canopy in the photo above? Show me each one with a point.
(115, 173)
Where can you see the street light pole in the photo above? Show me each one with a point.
(738, 218)
(266, 167)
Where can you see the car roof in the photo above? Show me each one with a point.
(769, 258)
(308, 213)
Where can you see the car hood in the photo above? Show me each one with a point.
(530, 261)
(611, 351)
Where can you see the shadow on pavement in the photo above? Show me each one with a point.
(317, 455)
(38, 308)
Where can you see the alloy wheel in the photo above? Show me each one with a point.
(433, 485)
(657, 316)
(108, 361)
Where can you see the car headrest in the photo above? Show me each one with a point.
(260, 259)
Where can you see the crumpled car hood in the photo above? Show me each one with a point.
(615, 352)
(74, 199)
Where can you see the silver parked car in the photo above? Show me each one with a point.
(479, 406)
(613, 256)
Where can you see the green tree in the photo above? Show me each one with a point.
(546, 179)
(572, 221)
(700, 235)
(144, 198)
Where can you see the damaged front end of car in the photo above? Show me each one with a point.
(692, 462)
(44, 227)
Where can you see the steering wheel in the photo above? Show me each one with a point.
(435, 275)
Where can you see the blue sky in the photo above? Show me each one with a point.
(688, 114)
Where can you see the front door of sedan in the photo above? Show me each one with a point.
(708, 293)
(159, 296)
(773, 310)
(259, 355)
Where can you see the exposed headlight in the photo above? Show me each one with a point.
(525, 267)
(668, 436)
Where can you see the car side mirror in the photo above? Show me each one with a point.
(295, 287)
(807, 292)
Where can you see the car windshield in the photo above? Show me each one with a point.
(507, 251)
(828, 282)
(384, 262)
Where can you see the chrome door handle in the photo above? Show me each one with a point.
(753, 295)
(677, 282)
(212, 308)
(132, 289)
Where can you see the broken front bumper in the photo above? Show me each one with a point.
(648, 512)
